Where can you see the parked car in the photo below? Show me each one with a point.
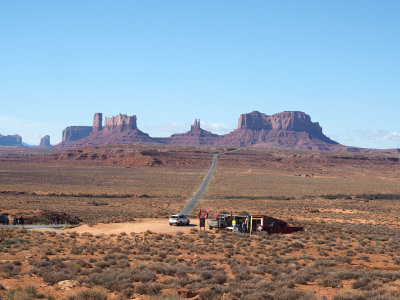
(279, 227)
(179, 220)
(4, 219)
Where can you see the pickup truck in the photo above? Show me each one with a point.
(221, 222)
(279, 227)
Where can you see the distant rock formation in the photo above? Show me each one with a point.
(75, 133)
(196, 136)
(196, 125)
(45, 142)
(120, 129)
(287, 120)
(11, 140)
(289, 129)
(97, 122)
(120, 123)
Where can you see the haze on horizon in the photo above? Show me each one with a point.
(169, 62)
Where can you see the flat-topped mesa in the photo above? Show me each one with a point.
(10, 140)
(45, 142)
(287, 120)
(75, 133)
(196, 125)
(97, 122)
(120, 123)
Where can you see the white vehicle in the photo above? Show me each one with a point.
(179, 220)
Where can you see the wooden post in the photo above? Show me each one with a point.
(202, 223)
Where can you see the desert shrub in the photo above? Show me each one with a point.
(14, 241)
(118, 280)
(165, 297)
(241, 272)
(349, 296)
(291, 294)
(95, 293)
(98, 203)
(324, 263)
(77, 250)
(27, 293)
(214, 292)
(365, 283)
(296, 245)
(205, 275)
(305, 275)
(219, 277)
(330, 281)
(345, 274)
(102, 264)
(9, 269)
(258, 295)
(148, 288)
(52, 277)
(350, 253)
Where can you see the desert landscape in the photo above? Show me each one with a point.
(120, 246)
(208, 150)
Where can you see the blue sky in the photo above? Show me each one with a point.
(170, 62)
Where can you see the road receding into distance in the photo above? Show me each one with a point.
(191, 204)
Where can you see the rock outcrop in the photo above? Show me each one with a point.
(75, 133)
(97, 122)
(288, 121)
(120, 123)
(196, 125)
(289, 129)
(120, 129)
(45, 142)
(196, 136)
(11, 140)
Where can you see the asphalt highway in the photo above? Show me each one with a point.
(191, 204)
(59, 226)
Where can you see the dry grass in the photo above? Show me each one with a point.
(326, 260)
(349, 251)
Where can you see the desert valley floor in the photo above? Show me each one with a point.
(348, 202)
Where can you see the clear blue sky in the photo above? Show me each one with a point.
(169, 62)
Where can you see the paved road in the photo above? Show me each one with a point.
(190, 205)
(59, 226)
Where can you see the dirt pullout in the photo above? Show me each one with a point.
(142, 225)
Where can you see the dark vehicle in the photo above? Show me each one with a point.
(279, 227)
(221, 222)
(4, 219)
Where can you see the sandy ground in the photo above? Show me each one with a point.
(142, 225)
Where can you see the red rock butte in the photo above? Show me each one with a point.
(11, 140)
(289, 129)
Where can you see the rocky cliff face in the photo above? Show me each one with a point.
(196, 136)
(11, 140)
(120, 123)
(45, 142)
(120, 129)
(75, 133)
(97, 122)
(290, 129)
(287, 120)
